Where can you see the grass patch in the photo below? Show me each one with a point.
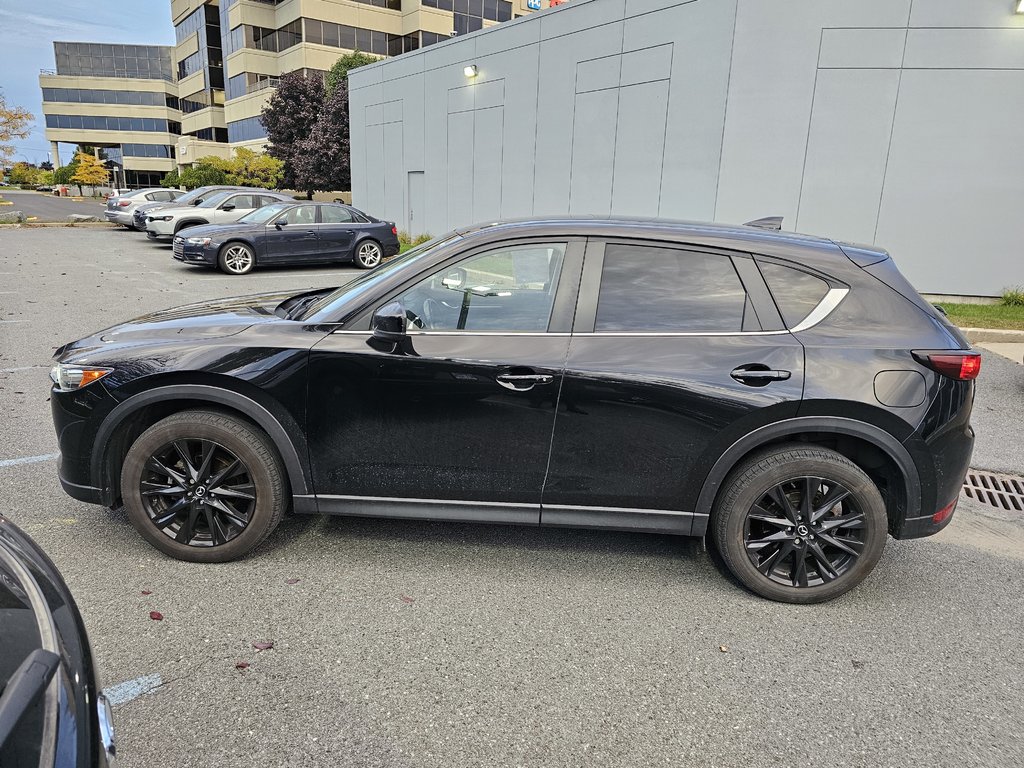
(1008, 317)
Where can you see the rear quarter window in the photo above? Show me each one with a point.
(796, 292)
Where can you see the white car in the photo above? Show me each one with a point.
(222, 208)
(121, 207)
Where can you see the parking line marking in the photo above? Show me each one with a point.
(124, 692)
(28, 460)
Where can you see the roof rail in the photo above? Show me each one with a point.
(768, 222)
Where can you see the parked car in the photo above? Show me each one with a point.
(791, 398)
(195, 197)
(120, 208)
(51, 710)
(44, 188)
(290, 233)
(219, 208)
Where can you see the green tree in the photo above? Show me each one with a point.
(14, 124)
(338, 73)
(63, 174)
(90, 171)
(202, 174)
(171, 180)
(254, 169)
(25, 174)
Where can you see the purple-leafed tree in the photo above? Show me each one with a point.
(289, 117)
(321, 161)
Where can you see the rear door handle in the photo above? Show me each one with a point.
(758, 375)
(523, 382)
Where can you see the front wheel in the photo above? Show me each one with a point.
(799, 524)
(368, 254)
(236, 259)
(203, 486)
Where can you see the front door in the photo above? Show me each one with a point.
(456, 422)
(293, 236)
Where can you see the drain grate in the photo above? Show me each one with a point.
(1002, 491)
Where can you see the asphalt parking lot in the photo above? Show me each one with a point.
(418, 644)
(46, 207)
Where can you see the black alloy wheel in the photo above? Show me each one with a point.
(203, 486)
(197, 492)
(799, 524)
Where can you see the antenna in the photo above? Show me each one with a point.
(768, 222)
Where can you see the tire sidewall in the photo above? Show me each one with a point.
(756, 478)
(268, 492)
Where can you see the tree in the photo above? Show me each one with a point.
(202, 174)
(322, 160)
(254, 169)
(47, 166)
(90, 171)
(23, 173)
(338, 73)
(289, 117)
(14, 122)
(63, 174)
(171, 180)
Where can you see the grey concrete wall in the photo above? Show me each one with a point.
(896, 122)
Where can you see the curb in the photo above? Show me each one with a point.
(974, 335)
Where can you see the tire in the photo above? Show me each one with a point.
(759, 524)
(236, 258)
(209, 525)
(368, 254)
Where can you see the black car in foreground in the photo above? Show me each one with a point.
(52, 713)
(286, 234)
(789, 397)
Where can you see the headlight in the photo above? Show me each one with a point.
(162, 218)
(198, 240)
(69, 377)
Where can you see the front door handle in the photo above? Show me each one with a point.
(758, 375)
(523, 382)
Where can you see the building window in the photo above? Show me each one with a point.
(249, 129)
(492, 10)
(210, 134)
(250, 82)
(146, 150)
(145, 62)
(366, 40)
(102, 123)
(202, 100)
(100, 96)
(431, 38)
(273, 40)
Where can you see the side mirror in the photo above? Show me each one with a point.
(228, 207)
(280, 223)
(389, 322)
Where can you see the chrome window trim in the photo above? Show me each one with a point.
(825, 307)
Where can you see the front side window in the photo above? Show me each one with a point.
(301, 215)
(645, 288)
(242, 202)
(509, 289)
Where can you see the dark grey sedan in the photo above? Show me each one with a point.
(289, 233)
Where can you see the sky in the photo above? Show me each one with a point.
(28, 29)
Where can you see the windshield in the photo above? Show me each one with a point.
(367, 282)
(264, 214)
(216, 199)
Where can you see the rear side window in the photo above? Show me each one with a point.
(646, 288)
(796, 292)
(333, 214)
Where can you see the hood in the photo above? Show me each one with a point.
(203, 320)
(218, 231)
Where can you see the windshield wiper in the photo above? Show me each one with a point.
(28, 681)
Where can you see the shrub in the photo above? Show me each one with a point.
(1013, 297)
(422, 239)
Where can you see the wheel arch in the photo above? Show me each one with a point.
(884, 458)
(186, 223)
(242, 239)
(132, 416)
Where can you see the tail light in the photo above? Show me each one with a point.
(124, 203)
(945, 513)
(394, 230)
(962, 366)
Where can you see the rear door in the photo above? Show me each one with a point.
(675, 352)
(337, 232)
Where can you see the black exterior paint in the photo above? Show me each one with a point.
(75, 733)
(633, 430)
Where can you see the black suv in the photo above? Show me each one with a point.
(790, 397)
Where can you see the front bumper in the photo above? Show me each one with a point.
(76, 418)
(157, 228)
(189, 253)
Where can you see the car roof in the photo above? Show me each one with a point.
(739, 237)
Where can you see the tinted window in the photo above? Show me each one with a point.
(301, 214)
(244, 201)
(664, 289)
(796, 293)
(511, 289)
(332, 214)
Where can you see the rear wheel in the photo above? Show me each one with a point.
(368, 254)
(236, 259)
(203, 486)
(799, 524)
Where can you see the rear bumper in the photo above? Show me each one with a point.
(124, 219)
(392, 250)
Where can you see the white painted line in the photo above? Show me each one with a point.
(124, 692)
(28, 460)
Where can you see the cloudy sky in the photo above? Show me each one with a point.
(29, 27)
